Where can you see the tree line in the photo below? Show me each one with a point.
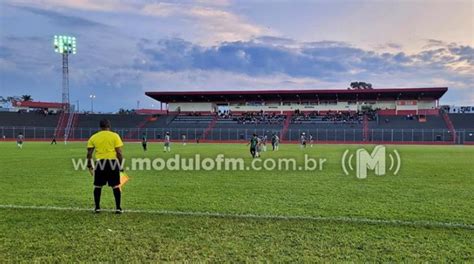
(22, 98)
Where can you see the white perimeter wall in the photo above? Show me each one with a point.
(426, 104)
(280, 107)
(191, 107)
(293, 107)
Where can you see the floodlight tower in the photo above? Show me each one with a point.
(65, 45)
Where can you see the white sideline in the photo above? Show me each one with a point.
(341, 219)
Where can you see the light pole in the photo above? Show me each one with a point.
(92, 97)
(65, 45)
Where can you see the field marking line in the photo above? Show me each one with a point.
(340, 219)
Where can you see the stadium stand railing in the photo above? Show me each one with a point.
(61, 126)
(450, 126)
(388, 129)
(210, 127)
(172, 117)
(337, 134)
(74, 124)
(366, 128)
(464, 125)
(286, 125)
(69, 126)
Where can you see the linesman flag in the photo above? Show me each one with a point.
(123, 179)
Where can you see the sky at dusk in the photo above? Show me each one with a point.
(128, 47)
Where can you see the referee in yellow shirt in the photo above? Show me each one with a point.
(108, 154)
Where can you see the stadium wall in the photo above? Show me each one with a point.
(191, 107)
(288, 106)
(434, 143)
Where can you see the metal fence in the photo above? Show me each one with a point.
(232, 134)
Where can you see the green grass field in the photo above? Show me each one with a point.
(425, 213)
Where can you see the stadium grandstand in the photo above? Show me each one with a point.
(395, 115)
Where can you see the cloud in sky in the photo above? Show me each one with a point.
(209, 20)
(86, 5)
(325, 60)
(65, 20)
(128, 47)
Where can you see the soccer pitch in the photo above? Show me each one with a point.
(425, 213)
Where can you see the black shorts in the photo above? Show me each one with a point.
(107, 172)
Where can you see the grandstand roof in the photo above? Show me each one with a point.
(33, 104)
(292, 95)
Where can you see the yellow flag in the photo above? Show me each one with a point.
(123, 179)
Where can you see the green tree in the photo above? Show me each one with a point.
(26, 97)
(360, 85)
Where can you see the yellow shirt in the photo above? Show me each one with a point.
(105, 143)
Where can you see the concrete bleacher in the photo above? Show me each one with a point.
(385, 128)
(31, 125)
(402, 122)
(193, 119)
(243, 131)
(462, 121)
(239, 127)
(401, 128)
(327, 131)
(117, 121)
(191, 126)
(464, 125)
(332, 126)
(28, 119)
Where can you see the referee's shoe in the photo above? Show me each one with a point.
(108, 154)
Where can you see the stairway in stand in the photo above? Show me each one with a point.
(134, 133)
(65, 127)
(286, 125)
(210, 127)
(450, 126)
(365, 132)
(61, 126)
(71, 125)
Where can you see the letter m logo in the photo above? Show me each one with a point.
(374, 161)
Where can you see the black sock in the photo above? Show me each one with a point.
(118, 196)
(97, 192)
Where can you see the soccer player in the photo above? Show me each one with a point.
(183, 137)
(311, 140)
(108, 153)
(19, 140)
(144, 142)
(264, 143)
(53, 141)
(275, 142)
(253, 145)
(259, 146)
(303, 140)
(167, 147)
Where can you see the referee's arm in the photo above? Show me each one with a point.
(90, 151)
(119, 157)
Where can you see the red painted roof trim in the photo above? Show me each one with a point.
(312, 91)
(33, 104)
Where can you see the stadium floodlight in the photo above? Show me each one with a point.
(92, 97)
(65, 45)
